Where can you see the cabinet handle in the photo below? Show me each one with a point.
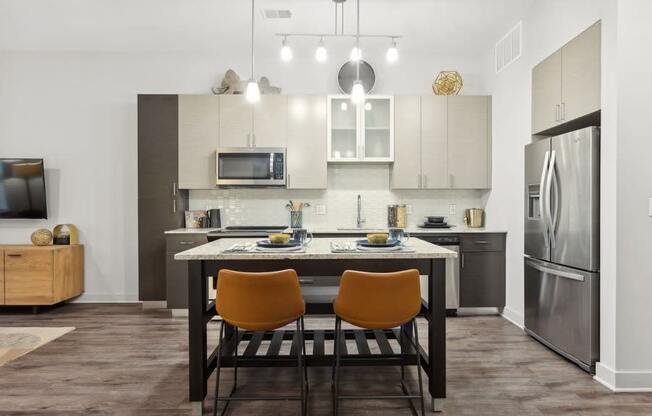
(248, 139)
(253, 139)
(174, 189)
(187, 243)
(14, 255)
(557, 112)
(563, 111)
(419, 180)
(425, 181)
(174, 206)
(462, 260)
(481, 242)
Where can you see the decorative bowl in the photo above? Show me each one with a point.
(377, 238)
(279, 238)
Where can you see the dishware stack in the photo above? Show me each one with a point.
(435, 222)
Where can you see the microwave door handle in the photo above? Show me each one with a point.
(542, 199)
(551, 169)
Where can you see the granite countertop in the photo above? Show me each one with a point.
(341, 230)
(318, 249)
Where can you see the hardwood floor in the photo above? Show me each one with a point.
(121, 361)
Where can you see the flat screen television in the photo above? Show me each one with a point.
(22, 189)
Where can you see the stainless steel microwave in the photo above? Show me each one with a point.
(251, 166)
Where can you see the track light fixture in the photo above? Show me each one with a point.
(392, 52)
(286, 51)
(321, 54)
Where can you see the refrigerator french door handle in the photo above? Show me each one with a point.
(548, 213)
(555, 188)
(560, 273)
(542, 199)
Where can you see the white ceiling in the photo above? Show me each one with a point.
(461, 27)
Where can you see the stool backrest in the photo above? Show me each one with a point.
(259, 301)
(379, 300)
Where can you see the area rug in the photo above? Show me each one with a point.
(18, 341)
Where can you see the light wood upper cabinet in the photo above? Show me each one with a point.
(236, 121)
(434, 142)
(199, 122)
(442, 142)
(306, 142)
(469, 142)
(270, 121)
(406, 171)
(546, 93)
(566, 85)
(580, 78)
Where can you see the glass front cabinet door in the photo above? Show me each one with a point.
(362, 132)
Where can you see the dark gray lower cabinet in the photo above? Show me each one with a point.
(482, 270)
(161, 205)
(176, 272)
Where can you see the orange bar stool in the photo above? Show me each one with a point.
(379, 301)
(259, 302)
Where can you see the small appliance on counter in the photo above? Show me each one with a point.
(397, 216)
(474, 217)
(195, 219)
(214, 218)
(435, 222)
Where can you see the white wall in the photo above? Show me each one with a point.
(633, 366)
(511, 91)
(78, 111)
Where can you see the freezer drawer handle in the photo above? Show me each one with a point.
(567, 275)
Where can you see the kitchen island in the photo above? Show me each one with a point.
(317, 260)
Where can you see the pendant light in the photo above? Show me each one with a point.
(252, 93)
(286, 51)
(321, 54)
(357, 91)
(392, 53)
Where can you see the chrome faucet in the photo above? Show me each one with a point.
(360, 220)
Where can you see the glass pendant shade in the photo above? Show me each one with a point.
(252, 93)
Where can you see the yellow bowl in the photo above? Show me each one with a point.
(377, 238)
(279, 238)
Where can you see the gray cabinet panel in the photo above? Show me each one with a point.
(236, 121)
(406, 170)
(307, 142)
(482, 270)
(546, 93)
(434, 148)
(160, 203)
(176, 272)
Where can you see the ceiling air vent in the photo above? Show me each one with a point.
(276, 14)
(509, 48)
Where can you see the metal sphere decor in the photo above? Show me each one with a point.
(41, 237)
(447, 83)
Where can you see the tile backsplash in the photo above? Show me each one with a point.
(266, 206)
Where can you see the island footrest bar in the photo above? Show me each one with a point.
(278, 349)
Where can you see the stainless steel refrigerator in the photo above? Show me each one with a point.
(562, 244)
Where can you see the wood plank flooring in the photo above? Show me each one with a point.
(122, 361)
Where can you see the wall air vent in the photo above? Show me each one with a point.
(276, 14)
(509, 47)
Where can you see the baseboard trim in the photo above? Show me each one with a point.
(623, 381)
(179, 313)
(154, 304)
(107, 298)
(513, 317)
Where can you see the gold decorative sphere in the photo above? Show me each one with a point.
(41, 237)
(447, 83)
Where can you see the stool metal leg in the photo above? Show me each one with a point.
(416, 342)
(217, 369)
(299, 367)
(336, 349)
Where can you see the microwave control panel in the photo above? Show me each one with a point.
(278, 166)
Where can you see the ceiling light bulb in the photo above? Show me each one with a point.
(320, 54)
(253, 92)
(344, 106)
(392, 53)
(286, 52)
(357, 92)
(356, 54)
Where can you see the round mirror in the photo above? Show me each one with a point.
(347, 76)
